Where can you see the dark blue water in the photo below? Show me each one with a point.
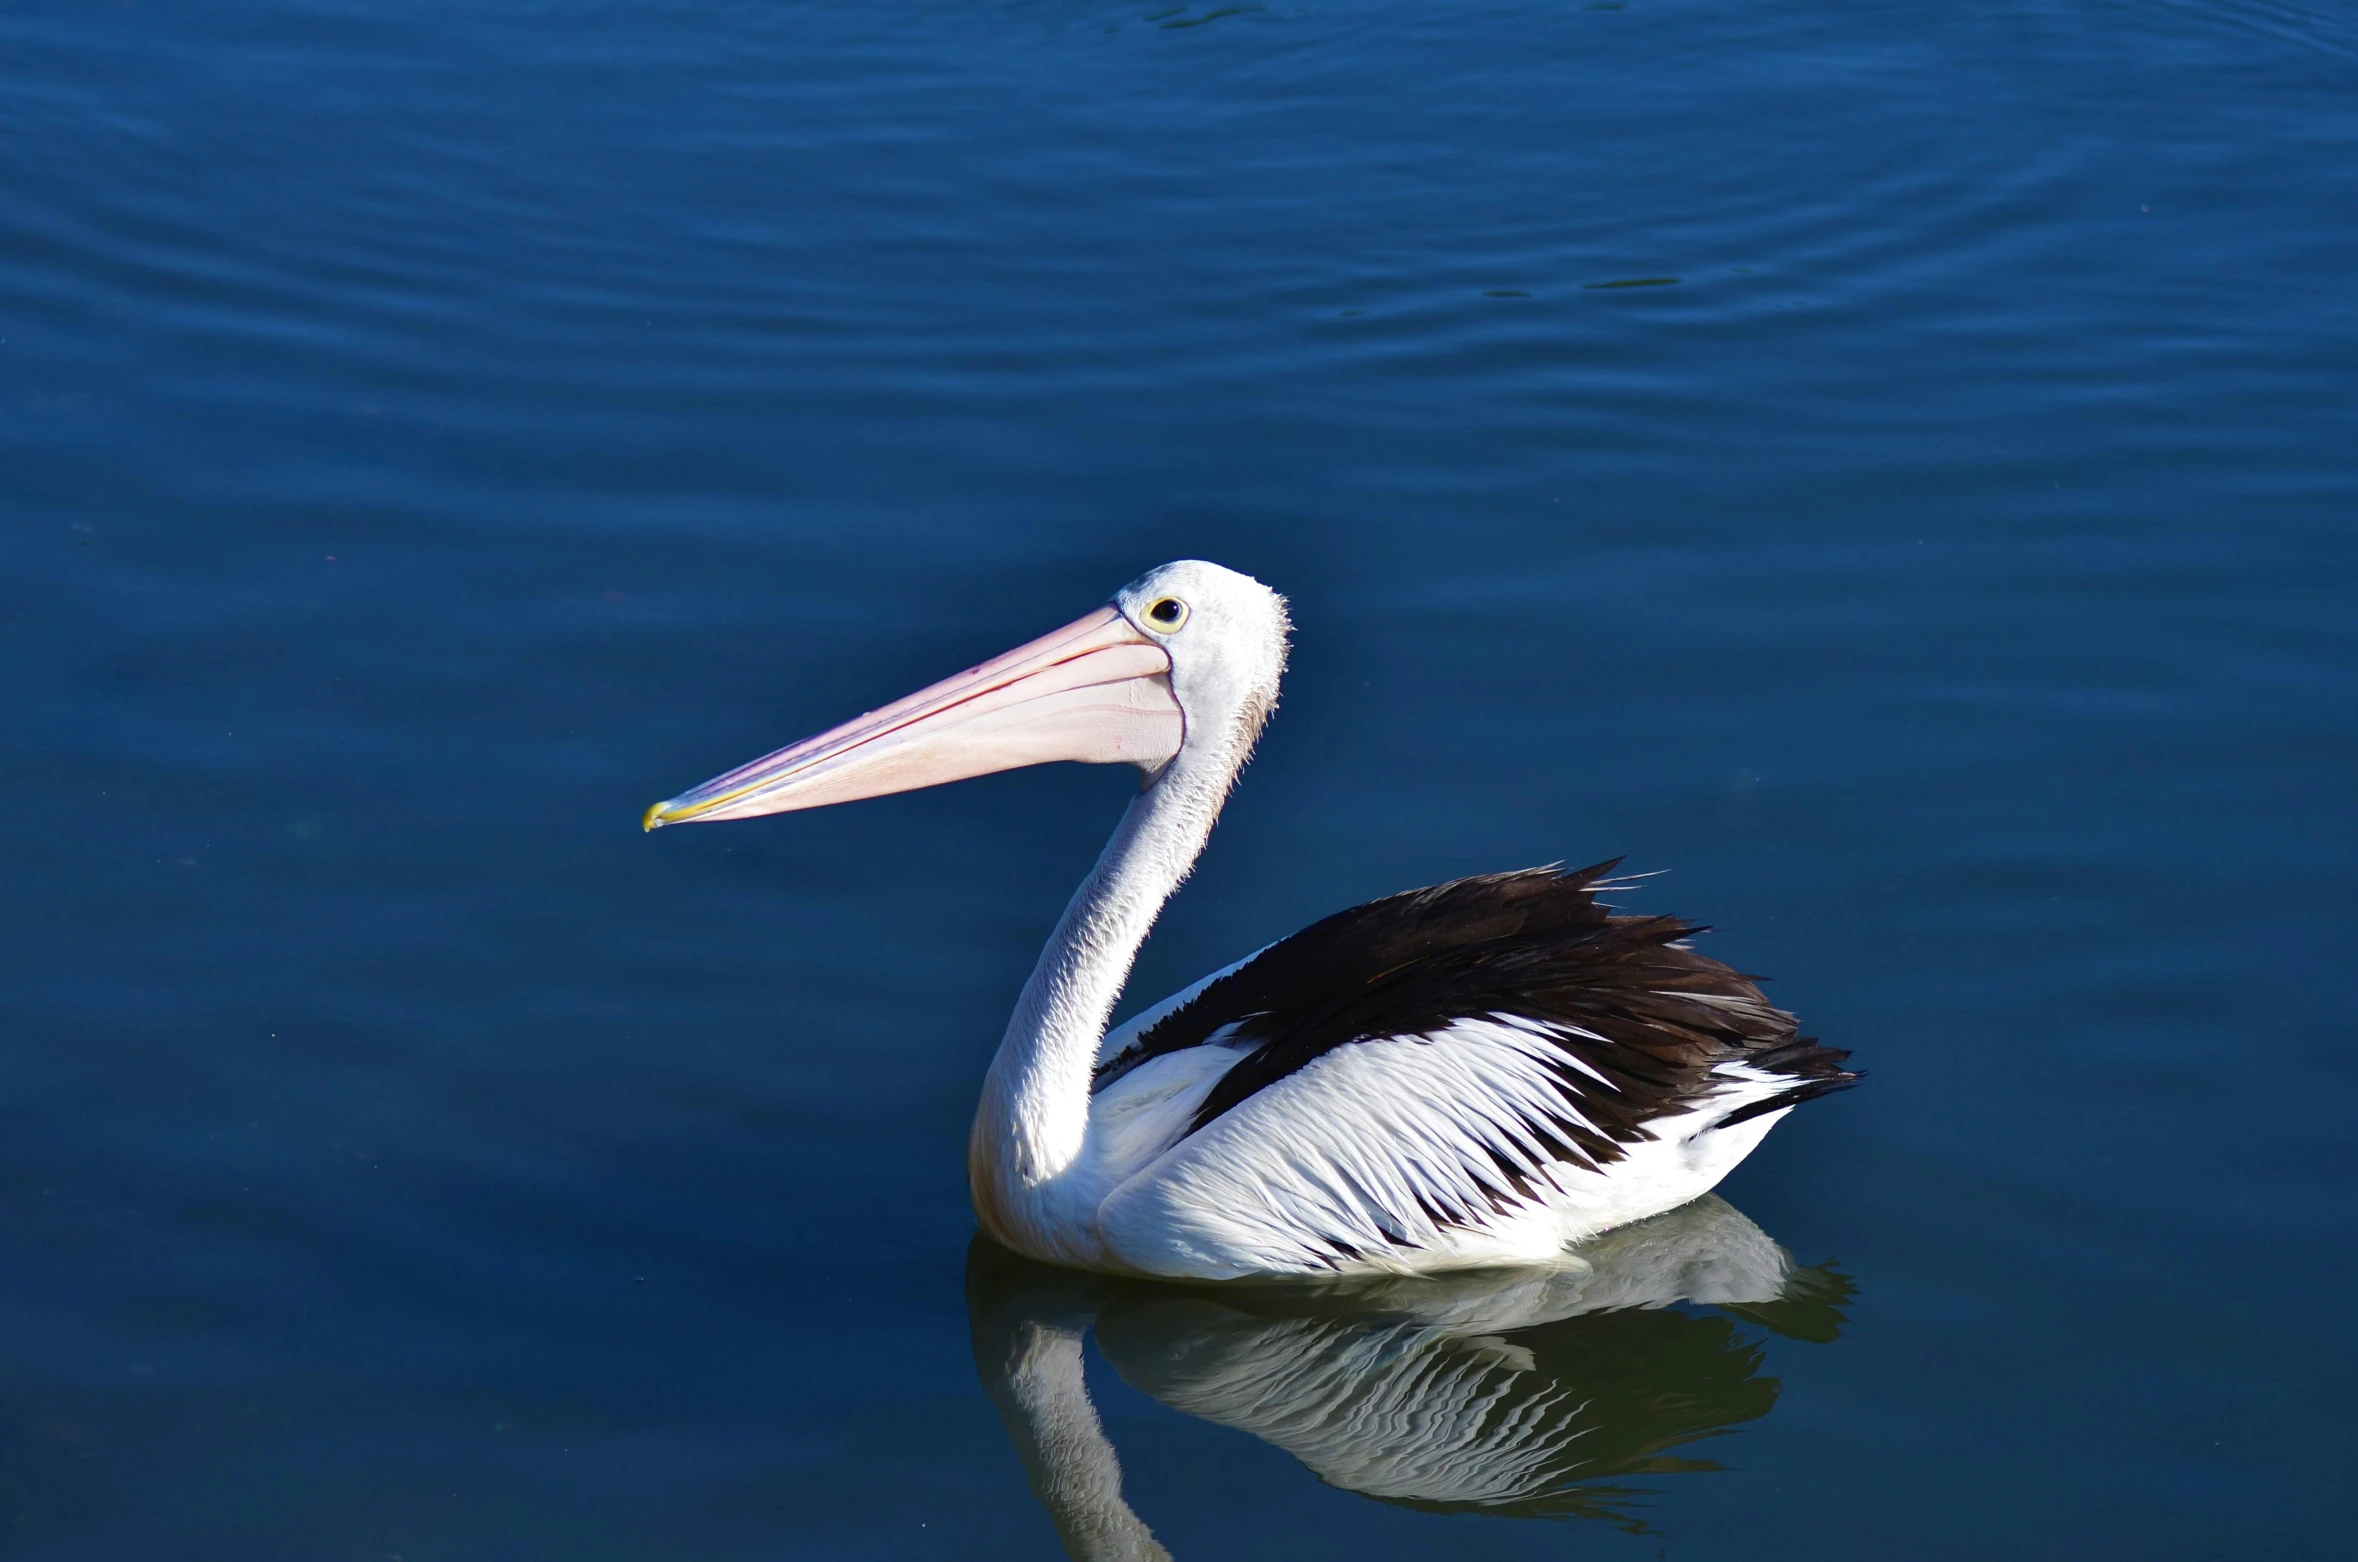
(429, 433)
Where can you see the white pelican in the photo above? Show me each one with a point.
(1478, 1073)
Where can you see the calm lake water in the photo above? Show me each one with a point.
(1895, 466)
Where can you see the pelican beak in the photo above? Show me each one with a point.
(1098, 690)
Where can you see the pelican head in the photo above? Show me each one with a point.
(1185, 659)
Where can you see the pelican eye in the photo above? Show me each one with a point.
(1166, 613)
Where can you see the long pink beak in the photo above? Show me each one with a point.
(1098, 690)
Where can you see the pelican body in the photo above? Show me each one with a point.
(1479, 1073)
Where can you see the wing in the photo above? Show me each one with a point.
(1453, 1064)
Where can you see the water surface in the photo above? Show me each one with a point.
(1893, 466)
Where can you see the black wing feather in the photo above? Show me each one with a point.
(1641, 1019)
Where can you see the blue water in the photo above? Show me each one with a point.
(429, 433)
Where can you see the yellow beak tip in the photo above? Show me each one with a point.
(654, 818)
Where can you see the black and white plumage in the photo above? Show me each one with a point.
(1478, 1073)
(1566, 1041)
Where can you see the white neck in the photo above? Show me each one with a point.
(1033, 1120)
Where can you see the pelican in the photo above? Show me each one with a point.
(1475, 1074)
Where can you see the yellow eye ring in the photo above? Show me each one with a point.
(1165, 614)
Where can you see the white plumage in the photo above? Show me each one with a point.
(1351, 1151)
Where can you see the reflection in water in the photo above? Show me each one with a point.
(1515, 1392)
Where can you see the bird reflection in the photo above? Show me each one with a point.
(1524, 1393)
